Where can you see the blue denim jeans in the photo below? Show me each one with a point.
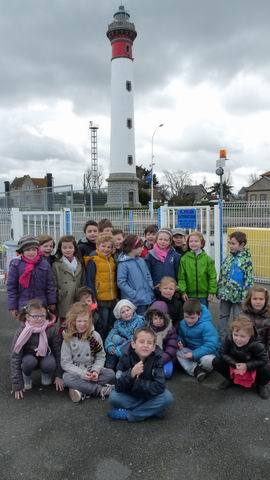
(140, 408)
(46, 364)
(106, 321)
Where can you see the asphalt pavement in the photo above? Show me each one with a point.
(207, 433)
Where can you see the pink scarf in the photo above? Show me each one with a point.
(25, 278)
(28, 331)
(161, 254)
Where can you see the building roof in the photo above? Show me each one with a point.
(37, 182)
(262, 183)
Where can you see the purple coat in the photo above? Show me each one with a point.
(41, 284)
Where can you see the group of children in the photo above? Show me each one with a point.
(113, 315)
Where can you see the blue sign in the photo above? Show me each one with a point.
(187, 218)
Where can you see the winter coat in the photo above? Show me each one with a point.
(41, 284)
(134, 280)
(29, 348)
(68, 284)
(202, 337)
(175, 306)
(125, 329)
(166, 336)
(101, 276)
(77, 358)
(151, 382)
(86, 249)
(159, 269)
(147, 246)
(236, 276)
(197, 275)
(261, 321)
(253, 354)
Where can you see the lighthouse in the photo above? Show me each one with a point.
(122, 181)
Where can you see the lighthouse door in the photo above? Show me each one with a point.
(131, 199)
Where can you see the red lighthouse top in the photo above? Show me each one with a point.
(121, 33)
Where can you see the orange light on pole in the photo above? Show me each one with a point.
(223, 153)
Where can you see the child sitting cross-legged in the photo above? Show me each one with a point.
(140, 382)
(83, 357)
(166, 336)
(122, 331)
(198, 340)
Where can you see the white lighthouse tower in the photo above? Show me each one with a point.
(122, 181)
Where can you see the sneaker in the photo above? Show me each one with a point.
(200, 374)
(263, 391)
(27, 380)
(118, 414)
(75, 395)
(46, 379)
(105, 391)
(227, 383)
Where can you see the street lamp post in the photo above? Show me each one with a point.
(152, 172)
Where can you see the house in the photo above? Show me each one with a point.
(30, 193)
(242, 194)
(260, 189)
(195, 192)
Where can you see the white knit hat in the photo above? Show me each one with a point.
(122, 303)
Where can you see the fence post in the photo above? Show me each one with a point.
(16, 224)
(163, 216)
(130, 221)
(67, 221)
(218, 238)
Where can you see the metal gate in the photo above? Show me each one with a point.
(36, 223)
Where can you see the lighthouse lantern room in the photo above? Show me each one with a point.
(122, 181)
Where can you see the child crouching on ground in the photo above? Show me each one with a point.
(242, 358)
(166, 336)
(198, 340)
(166, 292)
(36, 344)
(122, 332)
(257, 308)
(140, 382)
(83, 357)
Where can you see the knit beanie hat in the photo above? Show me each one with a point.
(27, 241)
(165, 230)
(178, 231)
(159, 305)
(120, 305)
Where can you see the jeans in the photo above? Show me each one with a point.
(46, 364)
(168, 369)
(89, 388)
(222, 367)
(140, 408)
(189, 365)
(141, 309)
(106, 321)
(226, 309)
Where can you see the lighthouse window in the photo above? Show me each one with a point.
(129, 122)
(127, 48)
(130, 159)
(128, 85)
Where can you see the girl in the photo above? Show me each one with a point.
(83, 357)
(242, 358)
(236, 277)
(46, 247)
(87, 245)
(257, 309)
(101, 278)
(133, 277)
(29, 276)
(163, 260)
(166, 292)
(197, 277)
(35, 345)
(69, 274)
(166, 336)
(122, 332)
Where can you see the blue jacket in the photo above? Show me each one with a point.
(134, 280)
(159, 269)
(202, 337)
(125, 329)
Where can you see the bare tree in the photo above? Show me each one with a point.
(91, 182)
(253, 177)
(176, 182)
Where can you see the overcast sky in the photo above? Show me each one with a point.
(201, 67)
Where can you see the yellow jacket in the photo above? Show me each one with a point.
(101, 276)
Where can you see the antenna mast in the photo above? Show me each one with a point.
(94, 155)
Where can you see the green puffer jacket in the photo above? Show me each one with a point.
(197, 276)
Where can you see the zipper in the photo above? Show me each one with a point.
(196, 266)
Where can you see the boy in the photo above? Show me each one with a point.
(118, 238)
(236, 277)
(179, 240)
(105, 226)
(101, 278)
(150, 234)
(140, 383)
(86, 296)
(198, 340)
(87, 244)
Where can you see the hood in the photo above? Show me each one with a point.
(123, 257)
(148, 315)
(205, 317)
